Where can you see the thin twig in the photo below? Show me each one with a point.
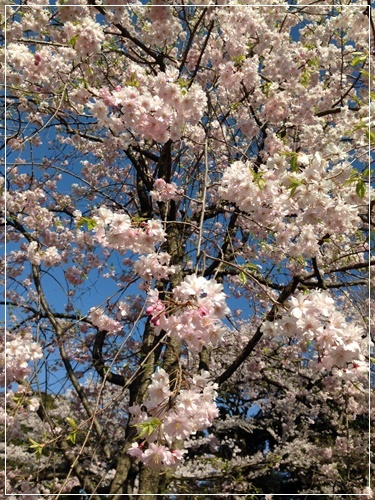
(204, 194)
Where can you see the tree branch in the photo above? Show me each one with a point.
(99, 365)
(271, 316)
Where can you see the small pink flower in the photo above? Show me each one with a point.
(203, 311)
(156, 456)
(136, 451)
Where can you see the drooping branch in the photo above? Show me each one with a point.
(98, 362)
(225, 253)
(248, 349)
(318, 275)
(65, 358)
(69, 455)
(191, 39)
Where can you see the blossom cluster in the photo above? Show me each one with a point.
(164, 191)
(193, 313)
(310, 200)
(50, 256)
(313, 319)
(20, 349)
(154, 107)
(154, 265)
(103, 322)
(86, 39)
(170, 414)
(118, 231)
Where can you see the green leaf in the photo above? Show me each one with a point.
(294, 184)
(37, 447)
(137, 219)
(360, 188)
(305, 78)
(367, 172)
(133, 81)
(81, 222)
(73, 40)
(71, 422)
(253, 267)
(370, 135)
(359, 58)
(365, 73)
(313, 63)
(258, 178)
(293, 162)
(183, 83)
(238, 60)
(242, 277)
(147, 428)
(90, 223)
(72, 437)
(266, 88)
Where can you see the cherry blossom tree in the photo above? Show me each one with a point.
(188, 208)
